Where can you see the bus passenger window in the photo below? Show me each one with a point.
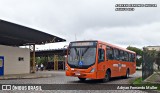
(116, 54)
(130, 57)
(121, 55)
(100, 55)
(126, 56)
(109, 53)
(133, 57)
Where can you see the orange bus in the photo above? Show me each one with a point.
(99, 60)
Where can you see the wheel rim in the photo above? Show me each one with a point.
(127, 73)
(107, 77)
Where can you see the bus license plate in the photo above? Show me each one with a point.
(77, 73)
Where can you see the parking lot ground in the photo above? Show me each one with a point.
(58, 77)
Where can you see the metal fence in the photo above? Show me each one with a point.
(147, 63)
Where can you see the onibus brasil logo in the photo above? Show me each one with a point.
(21, 87)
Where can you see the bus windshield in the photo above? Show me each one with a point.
(81, 57)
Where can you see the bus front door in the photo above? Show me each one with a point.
(101, 62)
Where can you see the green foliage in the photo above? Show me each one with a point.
(158, 58)
(138, 83)
(44, 60)
(139, 52)
(137, 80)
(40, 60)
(154, 54)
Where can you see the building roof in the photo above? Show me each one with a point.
(51, 52)
(12, 34)
(153, 46)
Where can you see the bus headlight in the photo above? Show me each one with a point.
(93, 69)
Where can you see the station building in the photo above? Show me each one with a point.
(13, 58)
(57, 55)
(157, 48)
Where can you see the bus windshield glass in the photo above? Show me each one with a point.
(81, 57)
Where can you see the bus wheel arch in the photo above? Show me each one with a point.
(109, 71)
(107, 75)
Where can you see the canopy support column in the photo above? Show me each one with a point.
(32, 48)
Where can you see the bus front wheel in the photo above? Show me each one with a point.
(82, 79)
(107, 76)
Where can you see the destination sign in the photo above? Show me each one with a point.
(83, 44)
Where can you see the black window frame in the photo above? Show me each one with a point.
(110, 53)
(103, 51)
(132, 57)
(121, 55)
(126, 56)
(116, 57)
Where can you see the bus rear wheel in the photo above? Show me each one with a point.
(82, 79)
(127, 74)
(107, 76)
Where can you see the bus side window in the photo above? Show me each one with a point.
(100, 55)
(126, 56)
(121, 55)
(116, 54)
(109, 53)
(133, 57)
(130, 57)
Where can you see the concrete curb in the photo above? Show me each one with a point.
(147, 79)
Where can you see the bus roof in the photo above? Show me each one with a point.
(114, 46)
(111, 45)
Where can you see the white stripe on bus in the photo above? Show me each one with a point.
(123, 65)
(115, 65)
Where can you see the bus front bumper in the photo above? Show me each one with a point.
(81, 74)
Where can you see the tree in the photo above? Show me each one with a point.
(40, 60)
(158, 59)
(139, 52)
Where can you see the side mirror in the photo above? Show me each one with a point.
(65, 49)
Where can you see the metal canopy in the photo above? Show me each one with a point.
(12, 34)
(51, 52)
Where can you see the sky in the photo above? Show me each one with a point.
(87, 20)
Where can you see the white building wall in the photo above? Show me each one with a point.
(12, 65)
(157, 48)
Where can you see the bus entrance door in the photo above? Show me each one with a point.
(101, 68)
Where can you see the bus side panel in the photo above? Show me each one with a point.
(134, 71)
(130, 66)
(133, 67)
(122, 68)
(101, 71)
(125, 66)
(113, 65)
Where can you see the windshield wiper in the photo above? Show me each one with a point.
(85, 51)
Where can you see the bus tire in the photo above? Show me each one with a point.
(82, 79)
(107, 76)
(127, 74)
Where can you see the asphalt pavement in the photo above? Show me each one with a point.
(59, 78)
